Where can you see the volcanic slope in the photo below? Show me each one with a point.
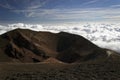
(27, 46)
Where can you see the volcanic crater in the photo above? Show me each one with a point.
(27, 46)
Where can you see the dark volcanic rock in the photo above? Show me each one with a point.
(22, 45)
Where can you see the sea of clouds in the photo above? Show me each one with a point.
(103, 35)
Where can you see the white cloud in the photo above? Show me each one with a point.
(25, 4)
(115, 6)
(7, 6)
(90, 2)
(36, 4)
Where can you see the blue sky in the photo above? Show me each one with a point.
(59, 11)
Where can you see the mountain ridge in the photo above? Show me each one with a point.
(23, 45)
(105, 35)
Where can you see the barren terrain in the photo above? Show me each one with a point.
(30, 55)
